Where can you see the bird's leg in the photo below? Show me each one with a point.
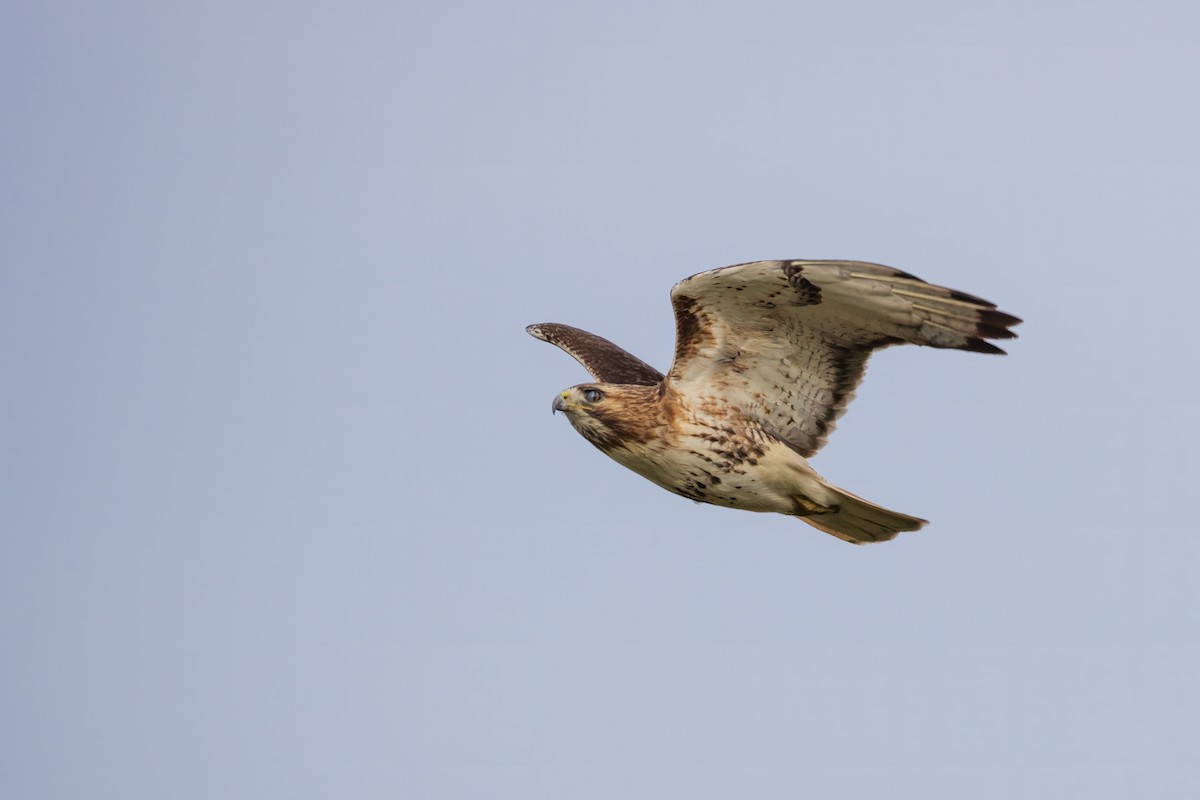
(806, 507)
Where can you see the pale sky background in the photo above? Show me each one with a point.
(284, 510)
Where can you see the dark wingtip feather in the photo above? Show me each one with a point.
(994, 332)
(981, 346)
(995, 325)
(970, 298)
(994, 317)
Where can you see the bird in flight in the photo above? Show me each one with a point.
(767, 357)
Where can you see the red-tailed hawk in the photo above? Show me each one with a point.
(767, 357)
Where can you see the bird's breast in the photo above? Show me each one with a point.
(709, 460)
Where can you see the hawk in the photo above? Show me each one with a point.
(767, 356)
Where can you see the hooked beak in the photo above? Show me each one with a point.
(560, 403)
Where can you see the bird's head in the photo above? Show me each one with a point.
(610, 415)
(583, 398)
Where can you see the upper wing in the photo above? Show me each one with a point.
(788, 341)
(607, 362)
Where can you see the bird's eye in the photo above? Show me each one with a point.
(593, 395)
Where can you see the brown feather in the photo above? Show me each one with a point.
(606, 361)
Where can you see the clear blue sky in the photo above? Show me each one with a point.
(284, 511)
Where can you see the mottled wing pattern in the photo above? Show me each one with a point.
(787, 342)
(604, 360)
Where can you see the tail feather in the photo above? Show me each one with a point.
(858, 521)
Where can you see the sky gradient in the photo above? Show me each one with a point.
(285, 514)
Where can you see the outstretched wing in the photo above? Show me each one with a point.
(607, 362)
(787, 342)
